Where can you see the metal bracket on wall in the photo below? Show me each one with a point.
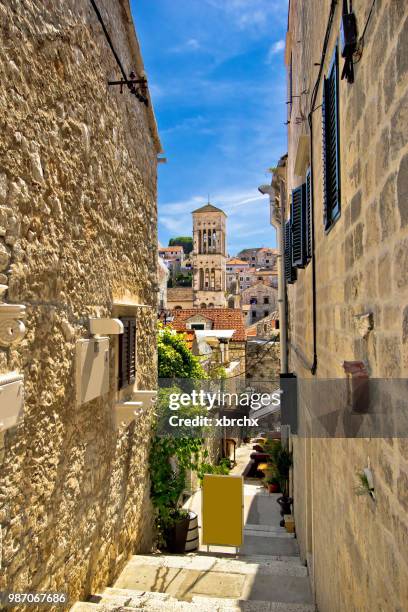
(137, 87)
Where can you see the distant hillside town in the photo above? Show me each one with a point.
(198, 273)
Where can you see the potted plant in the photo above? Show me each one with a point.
(176, 530)
(273, 485)
(270, 471)
(283, 465)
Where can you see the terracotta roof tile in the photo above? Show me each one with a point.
(236, 262)
(173, 248)
(223, 318)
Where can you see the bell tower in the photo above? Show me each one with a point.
(209, 257)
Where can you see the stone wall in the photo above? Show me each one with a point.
(263, 362)
(356, 548)
(78, 239)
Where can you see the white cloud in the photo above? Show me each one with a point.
(276, 48)
(251, 13)
(192, 44)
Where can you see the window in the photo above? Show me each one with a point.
(197, 326)
(298, 217)
(309, 219)
(253, 314)
(253, 300)
(266, 312)
(266, 300)
(331, 143)
(127, 352)
(266, 260)
(290, 271)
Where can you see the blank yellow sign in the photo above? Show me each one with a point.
(222, 510)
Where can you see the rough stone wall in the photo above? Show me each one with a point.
(357, 549)
(78, 235)
(263, 361)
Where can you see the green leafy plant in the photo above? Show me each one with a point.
(175, 360)
(222, 468)
(272, 480)
(363, 487)
(171, 457)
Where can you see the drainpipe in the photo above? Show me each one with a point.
(277, 215)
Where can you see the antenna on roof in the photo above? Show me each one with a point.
(208, 201)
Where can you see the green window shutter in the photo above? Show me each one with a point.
(127, 353)
(309, 219)
(331, 143)
(298, 217)
(290, 271)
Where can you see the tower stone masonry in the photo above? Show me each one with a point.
(209, 257)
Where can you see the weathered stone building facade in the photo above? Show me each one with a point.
(78, 240)
(355, 282)
(258, 302)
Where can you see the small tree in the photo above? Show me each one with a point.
(184, 241)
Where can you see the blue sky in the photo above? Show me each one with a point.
(217, 80)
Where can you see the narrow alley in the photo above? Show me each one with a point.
(266, 575)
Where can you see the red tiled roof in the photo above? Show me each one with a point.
(168, 249)
(222, 318)
(236, 262)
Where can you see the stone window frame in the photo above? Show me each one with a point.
(122, 310)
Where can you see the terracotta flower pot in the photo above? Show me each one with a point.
(273, 487)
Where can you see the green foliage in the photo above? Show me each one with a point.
(174, 357)
(170, 458)
(280, 461)
(185, 241)
(184, 280)
(223, 468)
(272, 480)
(363, 487)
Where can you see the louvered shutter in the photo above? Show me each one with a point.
(331, 143)
(308, 215)
(298, 218)
(290, 271)
(127, 352)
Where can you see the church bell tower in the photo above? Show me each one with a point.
(209, 257)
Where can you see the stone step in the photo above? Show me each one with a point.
(251, 606)
(185, 577)
(259, 565)
(157, 602)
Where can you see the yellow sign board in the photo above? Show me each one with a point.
(223, 510)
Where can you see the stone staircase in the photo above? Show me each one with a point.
(267, 576)
(201, 582)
